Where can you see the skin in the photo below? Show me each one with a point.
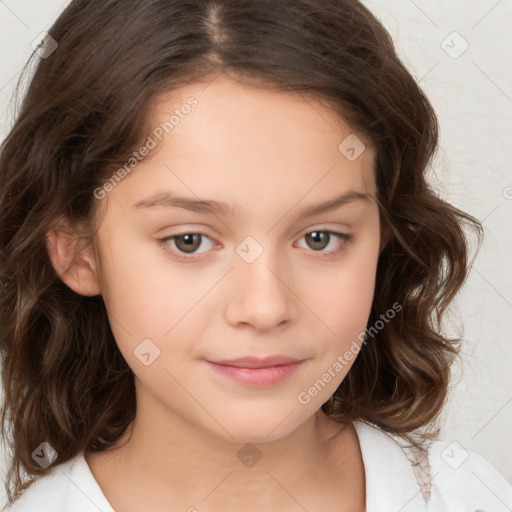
(269, 155)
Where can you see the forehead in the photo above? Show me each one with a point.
(248, 145)
(225, 110)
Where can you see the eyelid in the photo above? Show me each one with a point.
(344, 238)
(163, 243)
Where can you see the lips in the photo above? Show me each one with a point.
(257, 372)
(255, 362)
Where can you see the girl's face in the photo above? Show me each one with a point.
(263, 278)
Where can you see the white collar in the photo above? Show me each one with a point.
(390, 482)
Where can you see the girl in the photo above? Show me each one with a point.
(223, 271)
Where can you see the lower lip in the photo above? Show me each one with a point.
(261, 377)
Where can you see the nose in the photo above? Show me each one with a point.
(260, 295)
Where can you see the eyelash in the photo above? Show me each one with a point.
(344, 237)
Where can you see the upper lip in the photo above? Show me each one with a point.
(256, 362)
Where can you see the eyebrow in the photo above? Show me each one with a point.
(218, 208)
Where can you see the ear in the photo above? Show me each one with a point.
(75, 265)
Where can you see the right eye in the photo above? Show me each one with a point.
(184, 243)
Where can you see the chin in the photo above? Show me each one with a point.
(256, 427)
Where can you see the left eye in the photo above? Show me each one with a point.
(321, 239)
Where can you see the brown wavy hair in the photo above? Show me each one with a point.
(83, 113)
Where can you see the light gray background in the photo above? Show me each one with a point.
(472, 95)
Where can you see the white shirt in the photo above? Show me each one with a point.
(458, 481)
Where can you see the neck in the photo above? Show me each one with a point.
(164, 453)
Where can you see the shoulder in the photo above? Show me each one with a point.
(466, 478)
(68, 486)
(438, 477)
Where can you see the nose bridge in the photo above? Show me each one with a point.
(260, 295)
(258, 264)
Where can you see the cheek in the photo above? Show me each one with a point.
(343, 295)
(342, 300)
(148, 295)
(140, 294)
(143, 302)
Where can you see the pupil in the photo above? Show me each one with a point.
(317, 237)
(188, 242)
